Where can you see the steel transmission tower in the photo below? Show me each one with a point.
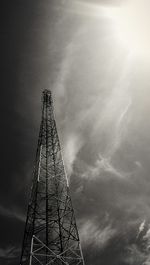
(51, 236)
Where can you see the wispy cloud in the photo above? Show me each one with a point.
(10, 213)
(64, 69)
(146, 238)
(141, 227)
(104, 165)
(71, 148)
(120, 129)
(134, 256)
(92, 233)
(91, 9)
(116, 110)
(139, 253)
(9, 252)
(114, 116)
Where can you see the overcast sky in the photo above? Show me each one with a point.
(94, 56)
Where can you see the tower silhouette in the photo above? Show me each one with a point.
(51, 236)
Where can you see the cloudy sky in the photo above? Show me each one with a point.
(95, 57)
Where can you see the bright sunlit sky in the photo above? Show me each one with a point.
(130, 22)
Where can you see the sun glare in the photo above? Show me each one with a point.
(133, 26)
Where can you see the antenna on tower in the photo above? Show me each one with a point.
(51, 235)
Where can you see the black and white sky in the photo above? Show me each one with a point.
(94, 56)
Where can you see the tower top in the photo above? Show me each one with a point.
(46, 91)
(47, 96)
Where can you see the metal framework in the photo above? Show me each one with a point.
(51, 236)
